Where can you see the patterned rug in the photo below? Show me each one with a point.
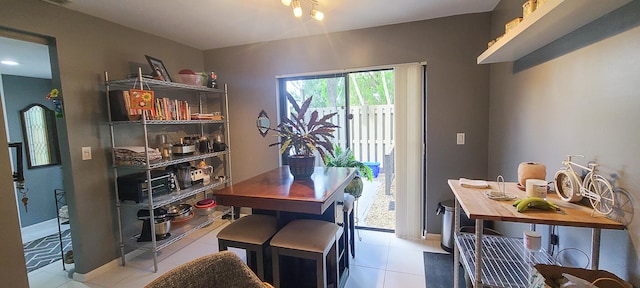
(44, 251)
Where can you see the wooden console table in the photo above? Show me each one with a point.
(479, 208)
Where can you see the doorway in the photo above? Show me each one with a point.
(27, 76)
(364, 101)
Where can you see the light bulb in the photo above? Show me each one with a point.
(317, 14)
(297, 10)
(9, 62)
(286, 2)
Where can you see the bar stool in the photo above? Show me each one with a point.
(349, 221)
(308, 239)
(252, 233)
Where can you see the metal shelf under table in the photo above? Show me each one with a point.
(505, 262)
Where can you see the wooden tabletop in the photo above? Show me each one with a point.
(277, 190)
(477, 206)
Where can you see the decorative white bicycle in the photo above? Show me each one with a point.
(571, 188)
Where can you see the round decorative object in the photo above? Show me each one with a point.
(531, 170)
(601, 187)
(567, 186)
(301, 167)
(355, 187)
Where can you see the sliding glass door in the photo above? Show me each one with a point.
(364, 101)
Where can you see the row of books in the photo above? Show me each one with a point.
(162, 109)
(171, 109)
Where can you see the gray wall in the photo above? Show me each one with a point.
(578, 95)
(20, 92)
(86, 47)
(457, 98)
(457, 90)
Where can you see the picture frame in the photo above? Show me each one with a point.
(159, 71)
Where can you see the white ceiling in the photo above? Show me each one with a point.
(33, 58)
(209, 24)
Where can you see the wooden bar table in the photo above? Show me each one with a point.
(478, 207)
(276, 192)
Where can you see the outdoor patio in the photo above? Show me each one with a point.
(376, 209)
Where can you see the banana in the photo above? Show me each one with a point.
(515, 204)
(534, 202)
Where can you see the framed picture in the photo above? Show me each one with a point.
(159, 71)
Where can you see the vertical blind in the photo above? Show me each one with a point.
(409, 150)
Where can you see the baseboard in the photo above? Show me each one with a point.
(434, 237)
(113, 264)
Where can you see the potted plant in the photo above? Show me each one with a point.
(345, 158)
(304, 137)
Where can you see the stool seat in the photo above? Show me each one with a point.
(307, 239)
(252, 233)
(253, 229)
(307, 235)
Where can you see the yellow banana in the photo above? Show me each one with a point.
(515, 204)
(534, 202)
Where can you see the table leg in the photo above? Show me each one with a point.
(595, 248)
(456, 252)
(479, 228)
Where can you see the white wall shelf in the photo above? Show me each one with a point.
(551, 21)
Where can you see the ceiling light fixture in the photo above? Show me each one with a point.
(297, 8)
(9, 62)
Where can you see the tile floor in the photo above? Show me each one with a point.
(381, 261)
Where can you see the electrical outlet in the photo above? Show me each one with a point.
(86, 153)
(555, 240)
(460, 138)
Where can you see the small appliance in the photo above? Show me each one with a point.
(134, 186)
(161, 222)
(184, 175)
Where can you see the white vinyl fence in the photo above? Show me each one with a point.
(371, 130)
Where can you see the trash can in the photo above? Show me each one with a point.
(446, 208)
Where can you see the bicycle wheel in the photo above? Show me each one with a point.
(567, 186)
(603, 188)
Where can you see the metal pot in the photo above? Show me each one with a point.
(179, 212)
(162, 226)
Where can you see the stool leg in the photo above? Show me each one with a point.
(321, 272)
(352, 228)
(275, 260)
(222, 245)
(251, 260)
(335, 259)
(347, 224)
(260, 263)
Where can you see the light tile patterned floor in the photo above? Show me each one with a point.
(382, 260)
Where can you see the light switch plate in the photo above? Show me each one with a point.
(86, 153)
(460, 138)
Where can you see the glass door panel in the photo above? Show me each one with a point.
(329, 96)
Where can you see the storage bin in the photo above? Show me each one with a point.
(375, 167)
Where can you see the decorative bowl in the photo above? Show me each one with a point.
(191, 79)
